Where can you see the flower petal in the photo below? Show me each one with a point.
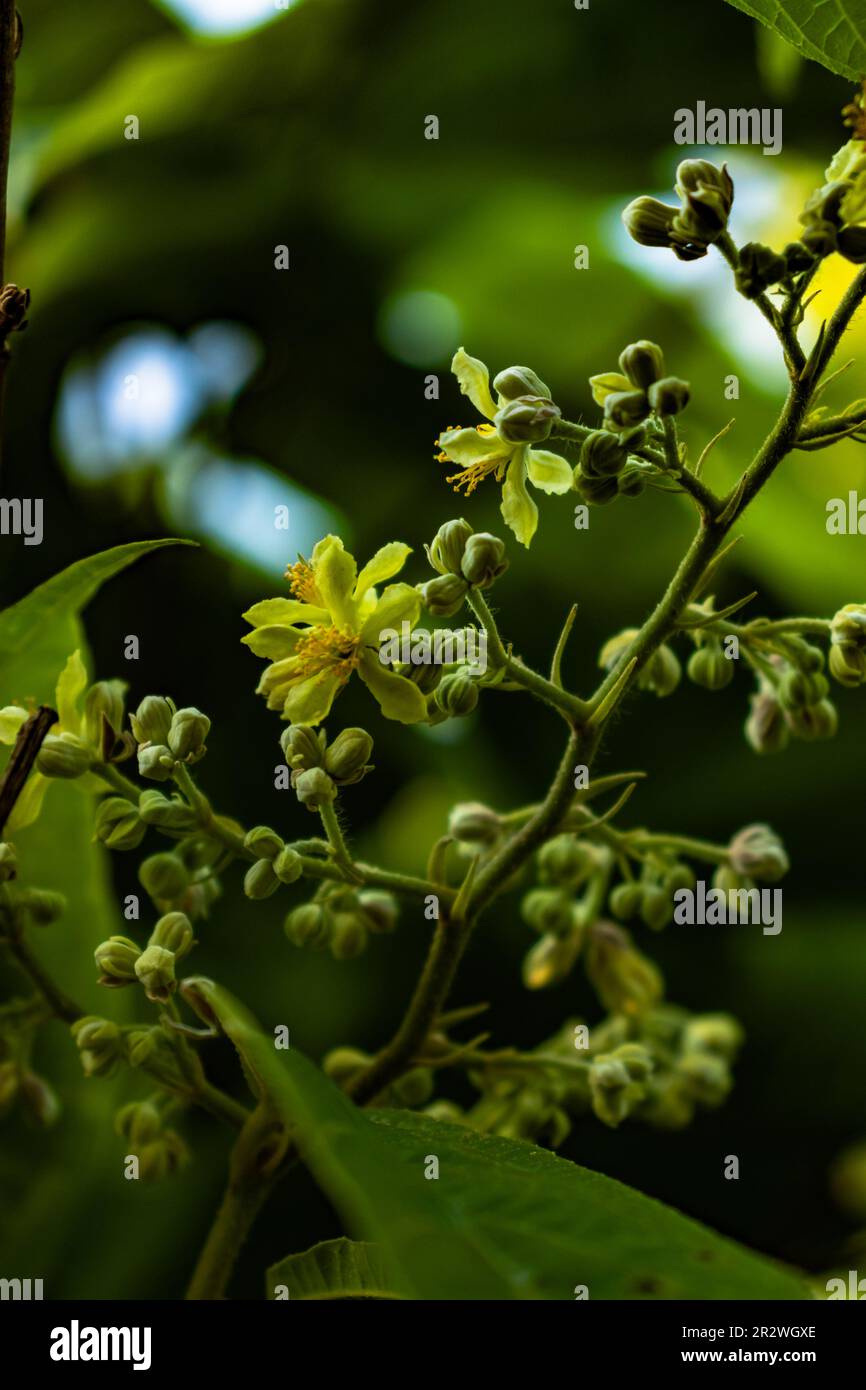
(474, 380)
(384, 565)
(29, 803)
(11, 719)
(518, 508)
(468, 446)
(283, 611)
(309, 701)
(398, 697)
(398, 603)
(550, 472)
(274, 642)
(71, 684)
(605, 385)
(334, 569)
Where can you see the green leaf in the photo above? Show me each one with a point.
(832, 33)
(503, 1219)
(338, 1268)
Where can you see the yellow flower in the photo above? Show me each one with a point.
(69, 731)
(482, 452)
(330, 629)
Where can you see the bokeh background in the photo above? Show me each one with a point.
(153, 259)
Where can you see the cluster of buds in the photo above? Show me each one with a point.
(275, 862)
(463, 559)
(160, 1152)
(791, 700)
(835, 215)
(660, 673)
(99, 737)
(526, 413)
(848, 645)
(318, 768)
(651, 897)
(99, 1043)
(565, 865)
(706, 195)
(605, 470)
(759, 267)
(708, 666)
(121, 962)
(167, 736)
(639, 389)
(474, 827)
(181, 880)
(341, 920)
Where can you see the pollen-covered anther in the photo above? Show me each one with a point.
(468, 478)
(302, 582)
(328, 649)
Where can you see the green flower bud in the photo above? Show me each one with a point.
(758, 268)
(662, 672)
(718, 1034)
(314, 788)
(115, 960)
(152, 720)
(474, 823)
(612, 1090)
(348, 757)
(625, 900)
(139, 1122)
(757, 852)
(155, 761)
(548, 911)
(118, 825)
(168, 813)
(348, 935)
(260, 881)
(414, 1088)
(766, 730)
(625, 981)
(707, 194)
(288, 865)
(103, 706)
(380, 910)
(707, 1078)
(445, 551)
(164, 876)
(155, 971)
(307, 925)
(710, 668)
(63, 755)
(596, 492)
(550, 960)
(649, 222)
(514, 382)
(8, 862)
(727, 880)
(656, 908)
(851, 243)
(616, 647)
(444, 596)
(302, 747)
(152, 1050)
(40, 1098)
(813, 722)
(342, 1063)
(263, 842)
(626, 408)
(602, 455)
(162, 1158)
(173, 932)
(527, 420)
(643, 363)
(483, 560)
(848, 645)
(679, 876)
(457, 693)
(186, 737)
(565, 862)
(99, 1043)
(797, 258)
(42, 906)
(669, 396)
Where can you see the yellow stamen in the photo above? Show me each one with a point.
(468, 478)
(327, 649)
(302, 582)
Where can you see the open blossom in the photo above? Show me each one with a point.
(330, 629)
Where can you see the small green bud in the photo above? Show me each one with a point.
(514, 382)
(813, 722)
(307, 925)
(550, 960)
(444, 596)
(548, 911)
(649, 221)
(710, 668)
(302, 747)
(596, 492)
(41, 1099)
(708, 194)
(348, 757)
(380, 910)
(342, 1063)
(474, 823)
(167, 813)
(155, 762)
(173, 932)
(155, 971)
(63, 755)
(115, 960)
(602, 455)
(662, 672)
(457, 693)
(714, 1033)
(669, 396)
(118, 825)
(164, 876)
(260, 881)
(152, 720)
(43, 906)
(445, 551)
(483, 560)
(766, 730)
(103, 705)
(139, 1122)
(727, 880)
(186, 737)
(263, 842)
(757, 852)
(162, 1158)
(625, 900)
(99, 1043)
(656, 907)
(565, 862)
(348, 935)
(848, 645)
(612, 1090)
(314, 788)
(797, 258)
(527, 420)
(707, 1078)
(626, 408)
(643, 363)
(8, 862)
(758, 268)
(414, 1088)
(288, 865)
(625, 981)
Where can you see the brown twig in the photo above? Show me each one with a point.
(30, 738)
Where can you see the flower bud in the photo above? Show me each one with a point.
(348, 935)
(718, 1034)
(315, 789)
(519, 381)
(625, 900)
(343, 1062)
(848, 645)
(63, 755)
(302, 747)
(118, 825)
(152, 720)
(173, 932)
(483, 560)
(186, 737)
(758, 268)
(813, 722)
(167, 813)
(757, 852)
(708, 194)
(565, 861)
(643, 363)
(139, 1122)
(445, 551)
(155, 971)
(288, 865)
(380, 910)
(727, 880)
(263, 842)
(662, 672)
(648, 221)
(99, 1043)
(457, 693)
(414, 1087)
(710, 668)
(8, 862)
(260, 881)
(41, 1099)
(42, 906)
(707, 1078)
(474, 823)
(626, 408)
(548, 911)
(307, 925)
(612, 1089)
(155, 761)
(550, 960)
(602, 455)
(766, 730)
(656, 906)
(616, 647)
(103, 705)
(669, 396)
(348, 757)
(158, 1160)
(164, 876)
(115, 960)
(625, 981)
(444, 596)
(596, 492)
(527, 420)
